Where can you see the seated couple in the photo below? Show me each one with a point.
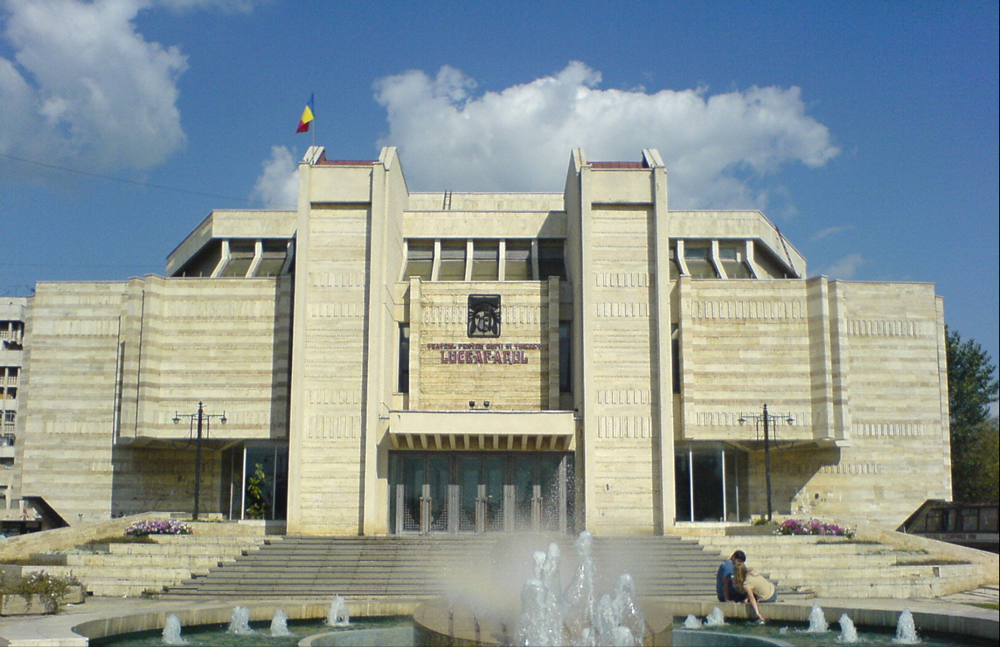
(734, 582)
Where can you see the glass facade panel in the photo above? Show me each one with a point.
(518, 261)
(550, 259)
(452, 261)
(464, 492)
(711, 483)
(485, 260)
(419, 259)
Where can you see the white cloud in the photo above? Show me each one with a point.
(830, 231)
(278, 184)
(717, 148)
(85, 88)
(845, 268)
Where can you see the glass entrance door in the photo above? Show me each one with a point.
(710, 483)
(480, 492)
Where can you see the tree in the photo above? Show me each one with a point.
(972, 388)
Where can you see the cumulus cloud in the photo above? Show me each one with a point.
(845, 268)
(278, 184)
(83, 86)
(718, 148)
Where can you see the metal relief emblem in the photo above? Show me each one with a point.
(484, 315)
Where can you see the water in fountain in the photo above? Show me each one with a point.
(691, 622)
(817, 621)
(279, 624)
(552, 616)
(848, 634)
(906, 630)
(716, 618)
(172, 631)
(240, 623)
(339, 615)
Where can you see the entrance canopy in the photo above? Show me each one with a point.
(482, 430)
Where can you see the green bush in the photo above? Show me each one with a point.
(50, 589)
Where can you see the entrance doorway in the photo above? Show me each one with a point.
(467, 492)
(711, 482)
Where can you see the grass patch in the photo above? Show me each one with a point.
(37, 560)
(992, 606)
(933, 562)
(120, 539)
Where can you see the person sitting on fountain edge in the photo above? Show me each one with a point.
(755, 587)
(725, 589)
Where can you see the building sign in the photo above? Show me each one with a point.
(484, 315)
(484, 353)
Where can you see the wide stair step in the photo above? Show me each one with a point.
(423, 567)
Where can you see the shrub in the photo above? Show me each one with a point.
(158, 527)
(49, 589)
(812, 527)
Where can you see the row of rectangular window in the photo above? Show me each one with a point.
(484, 260)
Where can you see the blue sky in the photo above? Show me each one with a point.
(868, 132)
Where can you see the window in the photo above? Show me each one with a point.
(697, 257)
(272, 258)
(518, 266)
(731, 255)
(550, 259)
(403, 385)
(486, 260)
(241, 253)
(419, 259)
(565, 356)
(452, 261)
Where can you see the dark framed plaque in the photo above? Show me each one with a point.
(484, 315)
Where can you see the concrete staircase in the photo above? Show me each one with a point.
(419, 567)
(135, 569)
(841, 568)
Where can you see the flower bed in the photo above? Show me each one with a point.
(812, 527)
(157, 527)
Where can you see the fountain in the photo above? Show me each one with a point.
(848, 634)
(716, 618)
(339, 615)
(551, 616)
(817, 621)
(240, 624)
(172, 631)
(691, 622)
(906, 630)
(279, 624)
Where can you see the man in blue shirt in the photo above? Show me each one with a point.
(724, 587)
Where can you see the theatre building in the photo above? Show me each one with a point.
(394, 362)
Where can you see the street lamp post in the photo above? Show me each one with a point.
(767, 419)
(202, 418)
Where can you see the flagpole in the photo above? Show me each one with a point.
(312, 95)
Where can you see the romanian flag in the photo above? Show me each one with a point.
(307, 117)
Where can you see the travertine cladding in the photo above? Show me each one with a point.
(898, 452)
(511, 371)
(332, 282)
(622, 365)
(743, 343)
(167, 344)
(223, 342)
(72, 337)
(855, 363)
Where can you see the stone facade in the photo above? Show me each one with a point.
(394, 362)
